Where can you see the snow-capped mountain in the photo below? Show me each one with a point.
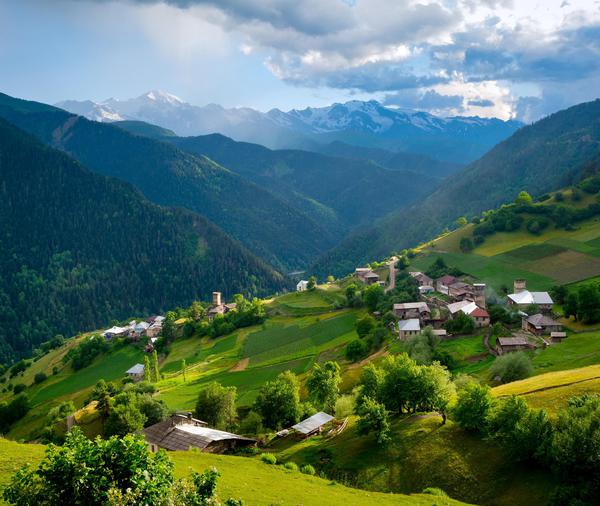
(368, 124)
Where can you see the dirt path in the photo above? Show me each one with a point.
(241, 365)
(365, 361)
(392, 278)
(486, 343)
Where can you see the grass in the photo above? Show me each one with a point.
(577, 350)
(422, 453)
(256, 483)
(321, 300)
(552, 391)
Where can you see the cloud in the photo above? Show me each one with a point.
(481, 103)
(430, 100)
(378, 46)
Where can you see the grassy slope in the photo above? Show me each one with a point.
(422, 453)
(255, 482)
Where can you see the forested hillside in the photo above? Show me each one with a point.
(538, 158)
(77, 249)
(338, 192)
(263, 222)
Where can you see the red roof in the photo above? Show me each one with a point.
(480, 313)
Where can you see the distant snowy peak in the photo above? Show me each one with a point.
(164, 97)
(91, 110)
(368, 116)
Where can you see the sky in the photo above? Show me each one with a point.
(519, 59)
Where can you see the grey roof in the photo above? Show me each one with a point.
(512, 341)
(182, 433)
(527, 297)
(412, 324)
(540, 320)
(136, 369)
(421, 306)
(312, 423)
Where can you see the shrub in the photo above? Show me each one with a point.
(18, 388)
(308, 469)
(355, 350)
(344, 406)
(511, 367)
(473, 407)
(268, 458)
(291, 466)
(434, 491)
(466, 245)
(252, 424)
(559, 197)
(39, 378)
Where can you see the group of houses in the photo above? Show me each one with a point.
(150, 328)
(218, 307)
(470, 299)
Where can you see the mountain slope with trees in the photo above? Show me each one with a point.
(264, 223)
(539, 158)
(78, 248)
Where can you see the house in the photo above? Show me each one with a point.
(154, 330)
(466, 306)
(442, 284)
(302, 286)
(136, 373)
(366, 275)
(313, 424)
(407, 328)
(461, 291)
(481, 317)
(408, 310)
(522, 298)
(557, 337)
(422, 279)
(426, 289)
(540, 324)
(115, 332)
(218, 307)
(182, 432)
(510, 344)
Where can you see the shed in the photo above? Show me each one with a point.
(136, 373)
(182, 432)
(509, 344)
(313, 423)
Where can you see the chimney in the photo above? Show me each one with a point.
(479, 294)
(216, 299)
(520, 285)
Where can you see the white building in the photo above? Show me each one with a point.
(302, 285)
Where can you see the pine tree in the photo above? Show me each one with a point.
(146, 368)
(155, 372)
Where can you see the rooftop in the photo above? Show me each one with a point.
(540, 320)
(312, 423)
(412, 324)
(527, 297)
(466, 306)
(512, 341)
(412, 305)
(136, 369)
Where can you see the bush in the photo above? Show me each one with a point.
(252, 424)
(18, 388)
(355, 350)
(466, 245)
(39, 378)
(535, 226)
(308, 469)
(473, 407)
(434, 491)
(268, 458)
(511, 367)
(291, 466)
(344, 406)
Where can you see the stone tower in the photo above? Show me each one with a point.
(216, 300)
(520, 285)
(479, 294)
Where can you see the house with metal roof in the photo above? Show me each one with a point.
(540, 324)
(136, 373)
(182, 432)
(522, 298)
(407, 328)
(313, 424)
(510, 344)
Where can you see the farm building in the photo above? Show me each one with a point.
(408, 310)
(540, 324)
(557, 337)
(510, 344)
(522, 298)
(182, 432)
(136, 373)
(302, 286)
(442, 284)
(313, 424)
(466, 306)
(366, 275)
(115, 332)
(407, 328)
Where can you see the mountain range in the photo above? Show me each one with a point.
(366, 124)
(78, 249)
(539, 158)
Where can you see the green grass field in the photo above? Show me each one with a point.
(253, 481)
(422, 453)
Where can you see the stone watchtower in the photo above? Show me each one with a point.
(479, 294)
(216, 299)
(520, 285)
